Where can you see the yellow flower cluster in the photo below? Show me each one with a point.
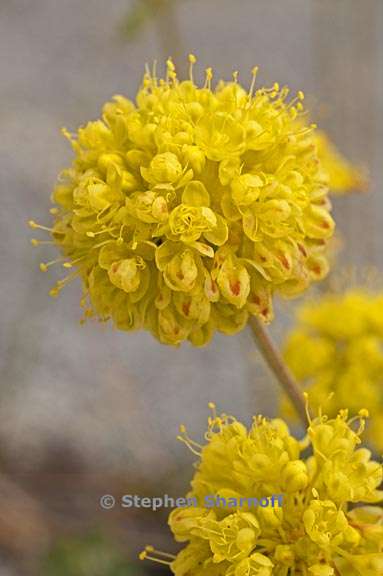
(314, 533)
(336, 352)
(185, 212)
(343, 176)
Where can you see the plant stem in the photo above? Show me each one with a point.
(276, 363)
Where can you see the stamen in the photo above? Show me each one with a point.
(192, 61)
(209, 76)
(36, 242)
(67, 134)
(88, 313)
(35, 226)
(213, 408)
(60, 284)
(102, 212)
(306, 130)
(154, 72)
(83, 300)
(235, 76)
(252, 85)
(120, 239)
(72, 262)
(146, 555)
(183, 437)
(54, 211)
(152, 550)
(45, 265)
(91, 234)
(102, 244)
(307, 409)
(171, 71)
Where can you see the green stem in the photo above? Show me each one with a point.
(277, 365)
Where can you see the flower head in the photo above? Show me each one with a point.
(317, 531)
(186, 211)
(340, 338)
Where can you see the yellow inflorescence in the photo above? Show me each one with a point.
(336, 352)
(315, 532)
(184, 212)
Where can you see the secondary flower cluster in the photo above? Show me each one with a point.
(316, 532)
(185, 212)
(343, 176)
(336, 352)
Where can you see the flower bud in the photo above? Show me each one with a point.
(294, 476)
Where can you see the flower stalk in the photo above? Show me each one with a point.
(276, 363)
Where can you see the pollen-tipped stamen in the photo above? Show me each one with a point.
(191, 444)
(208, 79)
(147, 554)
(45, 265)
(192, 61)
(35, 226)
(36, 242)
(254, 73)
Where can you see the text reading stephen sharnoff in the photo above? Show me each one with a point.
(209, 501)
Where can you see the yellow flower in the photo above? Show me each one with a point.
(316, 531)
(336, 352)
(343, 176)
(186, 211)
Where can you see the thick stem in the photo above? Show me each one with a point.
(276, 363)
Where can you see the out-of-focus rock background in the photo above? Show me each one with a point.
(87, 410)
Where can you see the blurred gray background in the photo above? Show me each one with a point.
(89, 400)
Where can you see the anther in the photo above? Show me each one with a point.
(142, 555)
(54, 292)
